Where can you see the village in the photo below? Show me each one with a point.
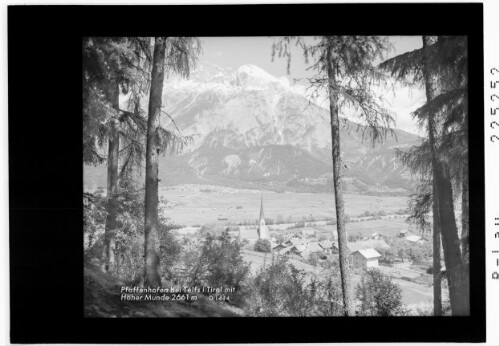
(385, 243)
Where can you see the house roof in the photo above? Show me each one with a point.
(413, 238)
(404, 231)
(308, 230)
(369, 253)
(275, 244)
(285, 250)
(314, 246)
(297, 241)
(301, 247)
(326, 244)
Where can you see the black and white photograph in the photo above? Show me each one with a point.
(275, 176)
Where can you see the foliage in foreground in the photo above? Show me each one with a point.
(213, 261)
(129, 249)
(379, 296)
(282, 290)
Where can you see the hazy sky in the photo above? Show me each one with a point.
(232, 52)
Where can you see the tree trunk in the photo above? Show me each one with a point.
(113, 94)
(465, 222)
(151, 243)
(451, 244)
(344, 253)
(443, 188)
(465, 233)
(437, 275)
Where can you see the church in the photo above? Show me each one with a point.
(263, 231)
(253, 233)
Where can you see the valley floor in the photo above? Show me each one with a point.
(191, 205)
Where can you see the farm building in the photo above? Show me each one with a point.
(367, 258)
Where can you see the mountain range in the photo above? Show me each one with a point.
(250, 129)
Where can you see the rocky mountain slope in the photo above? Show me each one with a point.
(251, 129)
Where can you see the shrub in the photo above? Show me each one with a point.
(379, 296)
(263, 245)
(283, 290)
(215, 262)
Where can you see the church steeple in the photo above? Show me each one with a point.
(263, 232)
(262, 216)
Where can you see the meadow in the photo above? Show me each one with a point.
(191, 205)
(389, 228)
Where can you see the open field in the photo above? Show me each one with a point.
(190, 205)
(389, 228)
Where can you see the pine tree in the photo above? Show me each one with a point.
(152, 277)
(344, 66)
(108, 65)
(441, 66)
(174, 55)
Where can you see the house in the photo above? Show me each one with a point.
(311, 248)
(375, 236)
(314, 247)
(364, 259)
(274, 245)
(404, 233)
(284, 250)
(297, 241)
(326, 245)
(299, 250)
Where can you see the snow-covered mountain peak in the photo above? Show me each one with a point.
(253, 77)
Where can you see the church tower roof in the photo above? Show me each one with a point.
(262, 216)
